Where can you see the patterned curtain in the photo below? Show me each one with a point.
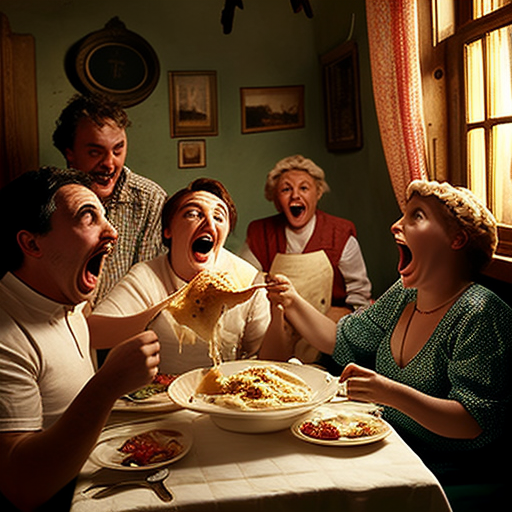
(394, 59)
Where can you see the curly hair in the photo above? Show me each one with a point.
(99, 109)
(470, 215)
(200, 184)
(291, 163)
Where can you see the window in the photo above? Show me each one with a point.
(479, 84)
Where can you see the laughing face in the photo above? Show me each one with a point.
(197, 231)
(99, 151)
(74, 250)
(297, 196)
(424, 241)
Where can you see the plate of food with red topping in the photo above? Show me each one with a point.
(150, 398)
(144, 446)
(339, 427)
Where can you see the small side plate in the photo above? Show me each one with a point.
(106, 452)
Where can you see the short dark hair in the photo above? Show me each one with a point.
(27, 203)
(200, 184)
(99, 109)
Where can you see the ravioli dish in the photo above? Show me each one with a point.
(150, 447)
(349, 427)
(254, 388)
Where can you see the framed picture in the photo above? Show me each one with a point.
(342, 98)
(191, 153)
(114, 62)
(272, 108)
(193, 103)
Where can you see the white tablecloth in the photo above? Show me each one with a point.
(227, 471)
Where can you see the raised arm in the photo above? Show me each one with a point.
(108, 331)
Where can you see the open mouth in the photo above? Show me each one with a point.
(202, 245)
(93, 267)
(102, 178)
(405, 256)
(296, 210)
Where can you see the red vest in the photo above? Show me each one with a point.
(266, 237)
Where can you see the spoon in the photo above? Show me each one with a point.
(153, 481)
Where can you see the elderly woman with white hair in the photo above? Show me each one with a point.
(295, 185)
(435, 350)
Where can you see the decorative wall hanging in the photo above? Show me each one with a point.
(342, 100)
(191, 154)
(115, 62)
(193, 103)
(228, 12)
(272, 108)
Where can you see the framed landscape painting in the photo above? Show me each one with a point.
(272, 108)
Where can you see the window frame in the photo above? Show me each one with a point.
(468, 30)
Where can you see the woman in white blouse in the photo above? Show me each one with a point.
(195, 224)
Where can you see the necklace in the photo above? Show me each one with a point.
(406, 330)
(429, 312)
(451, 299)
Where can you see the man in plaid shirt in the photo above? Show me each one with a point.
(91, 134)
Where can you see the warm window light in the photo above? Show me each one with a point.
(475, 96)
(443, 19)
(488, 112)
(476, 163)
(499, 73)
(484, 7)
(502, 167)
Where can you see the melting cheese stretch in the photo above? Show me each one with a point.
(200, 304)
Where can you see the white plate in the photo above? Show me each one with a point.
(324, 387)
(160, 402)
(342, 441)
(107, 455)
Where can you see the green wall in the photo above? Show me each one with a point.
(269, 46)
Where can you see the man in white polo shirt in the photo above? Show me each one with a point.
(53, 406)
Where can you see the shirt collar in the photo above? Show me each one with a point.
(306, 231)
(177, 282)
(35, 301)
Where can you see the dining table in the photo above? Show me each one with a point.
(223, 470)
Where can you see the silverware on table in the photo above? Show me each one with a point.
(153, 481)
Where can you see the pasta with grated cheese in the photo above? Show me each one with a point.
(255, 388)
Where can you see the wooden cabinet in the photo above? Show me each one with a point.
(19, 141)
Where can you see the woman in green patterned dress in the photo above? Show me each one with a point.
(435, 349)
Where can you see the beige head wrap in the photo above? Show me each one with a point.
(471, 215)
(299, 163)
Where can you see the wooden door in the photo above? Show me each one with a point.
(19, 141)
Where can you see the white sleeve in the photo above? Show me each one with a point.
(248, 255)
(353, 269)
(257, 322)
(138, 290)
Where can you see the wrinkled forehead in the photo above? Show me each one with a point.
(204, 200)
(73, 196)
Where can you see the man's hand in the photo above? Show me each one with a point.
(133, 363)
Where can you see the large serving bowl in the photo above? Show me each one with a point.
(323, 385)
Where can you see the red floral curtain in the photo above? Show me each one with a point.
(394, 59)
